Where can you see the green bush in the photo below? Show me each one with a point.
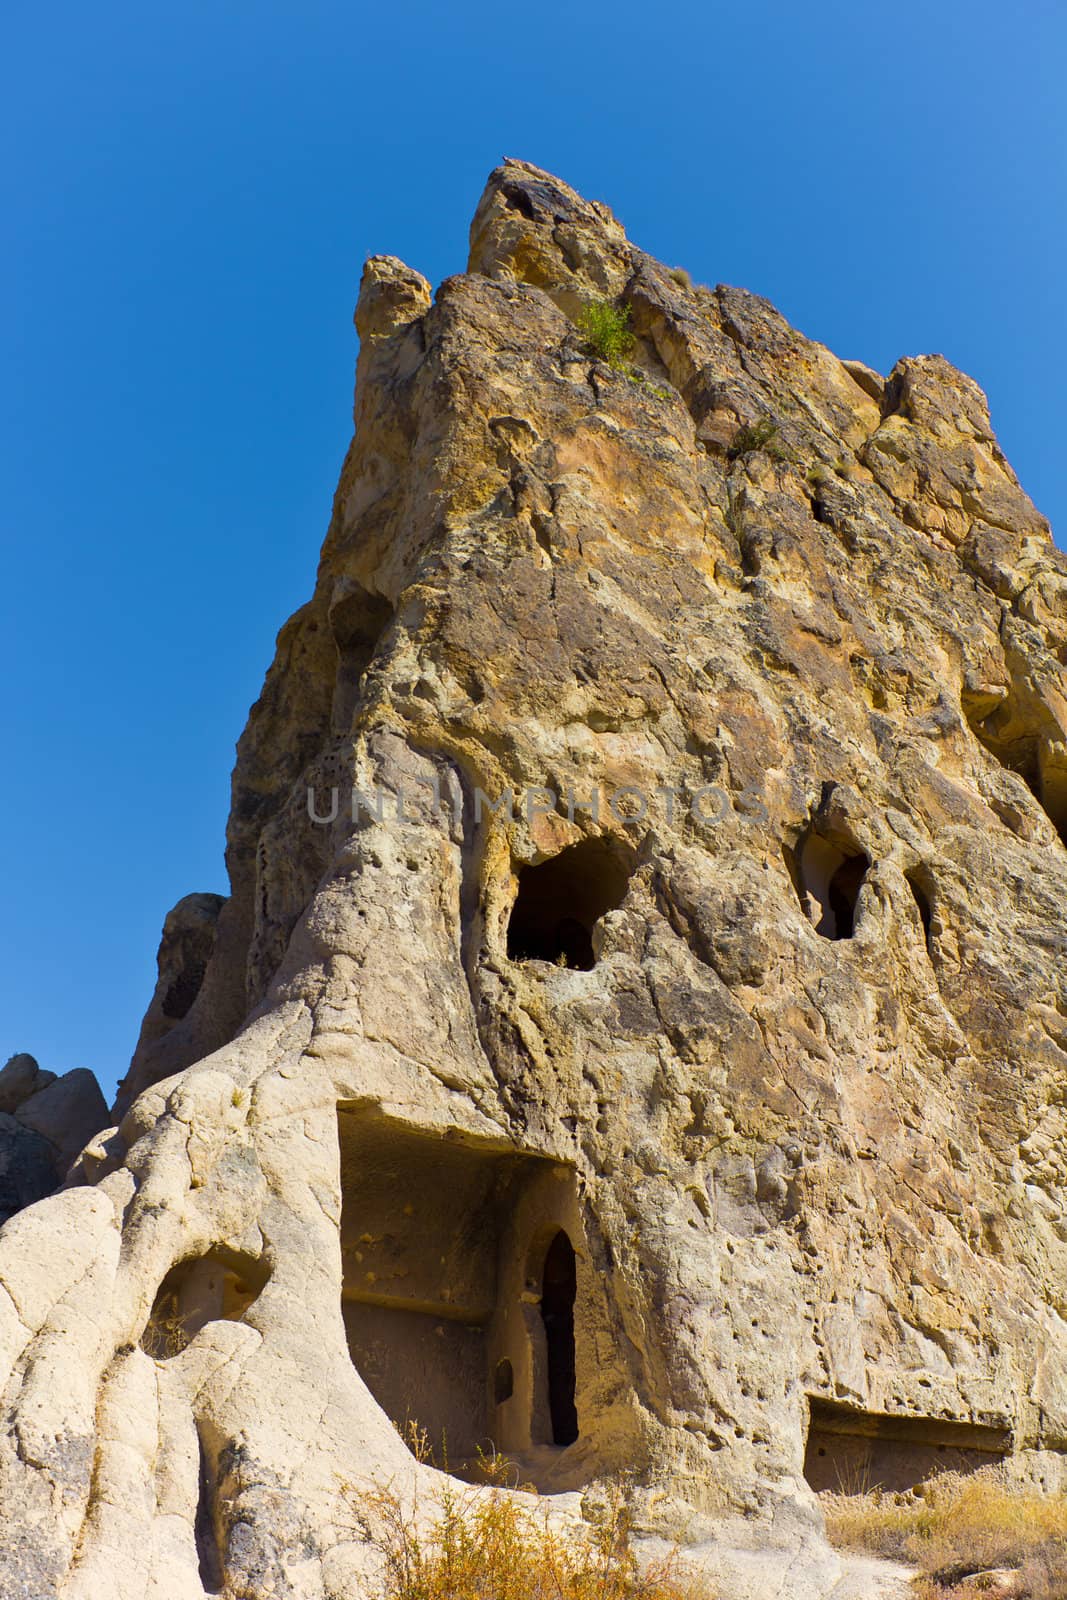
(605, 327)
(759, 435)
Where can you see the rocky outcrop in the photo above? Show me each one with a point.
(44, 1123)
(694, 1110)
(185, 951)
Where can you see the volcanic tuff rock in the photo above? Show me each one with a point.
(44, 1122)
(682, 1136)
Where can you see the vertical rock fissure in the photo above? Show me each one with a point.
(205, 1527)
(920, 886)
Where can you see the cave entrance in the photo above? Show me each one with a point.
(357, 621)
(457, 1346)
(850, 1451)
(560, 901)
(828, 878)
(1017, 733)
(559, 1285)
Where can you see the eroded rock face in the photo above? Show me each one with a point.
(185, 951)
(776, 1047)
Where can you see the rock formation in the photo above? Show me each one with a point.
(698, 1111)
(44, 1123)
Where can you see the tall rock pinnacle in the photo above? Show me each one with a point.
(637, 1029)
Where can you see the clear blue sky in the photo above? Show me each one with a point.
(189, 191)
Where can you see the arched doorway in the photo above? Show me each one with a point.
(558, 1287)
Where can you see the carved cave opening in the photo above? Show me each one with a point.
(219, 1285)
(357, 622)
(460, 1288)
(827, 878)
(851, 1451)
(1009, 735)
(560, 901)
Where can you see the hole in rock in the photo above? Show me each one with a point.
(1010, 737)
(561, 900)
(220, 1285)
(460, 1306)
(851, 1451)
(503, 1382)
(920, 883)
(559, 1286)
(827, 878)
(357, 622)
(518, 200)
(178, 1000)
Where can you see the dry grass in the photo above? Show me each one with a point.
(490, 1546)
(165, 1334)
(496, 1470)
(956, 1527)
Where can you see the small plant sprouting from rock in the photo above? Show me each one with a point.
(608, 336)
(759, 435)
(417, 1438)
(498, 1471)
(607, 332)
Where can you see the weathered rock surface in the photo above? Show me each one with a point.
(185, 950)
(779, 1046)
(44, 1123)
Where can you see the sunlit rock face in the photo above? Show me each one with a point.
(637, 1030)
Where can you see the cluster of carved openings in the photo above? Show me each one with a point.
(459, 1289)
(561, 900)
(357, 622)
(849, 1447)
(219, 1285)
(827, 878)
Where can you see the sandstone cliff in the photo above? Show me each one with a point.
(709, 1134)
